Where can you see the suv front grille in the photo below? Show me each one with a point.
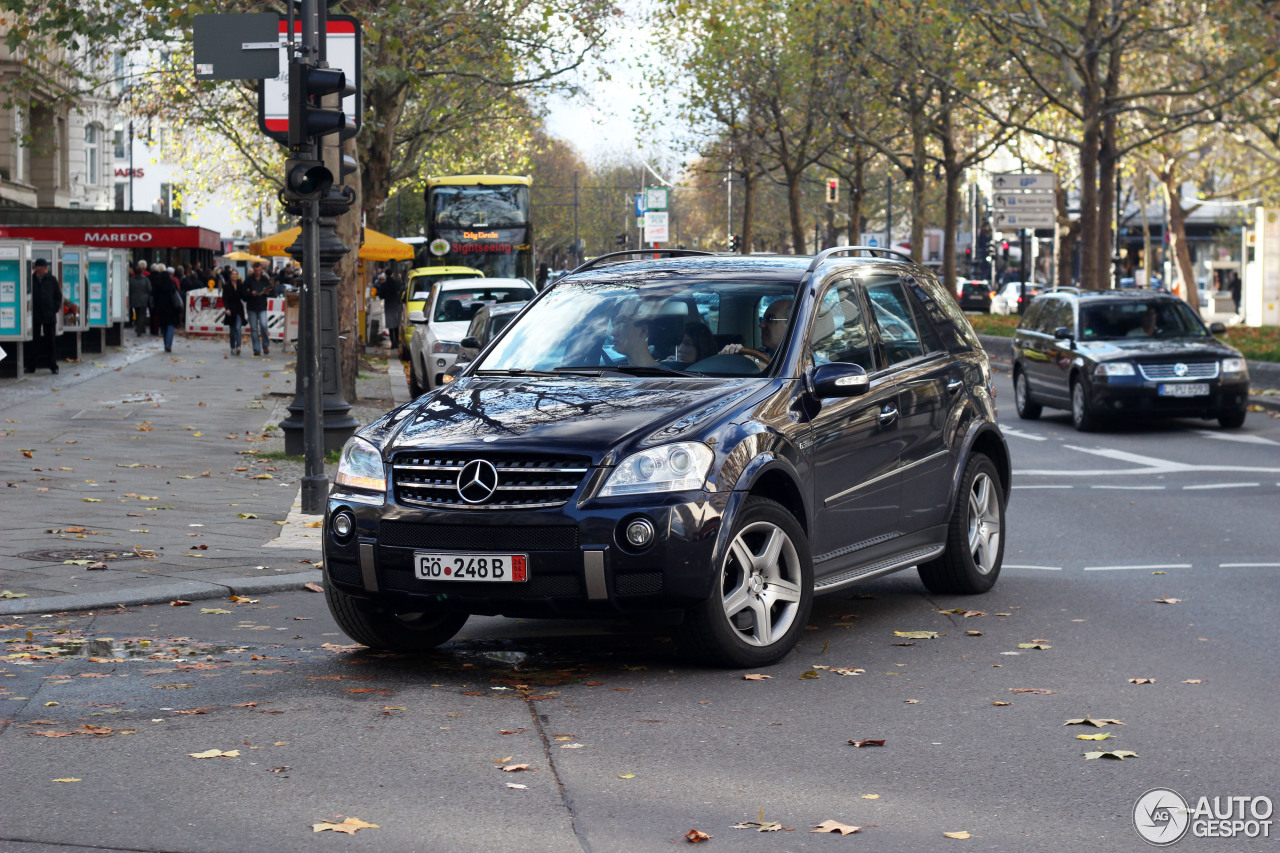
(523, 480)
(1196, 370)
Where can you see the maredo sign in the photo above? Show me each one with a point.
(156, 237)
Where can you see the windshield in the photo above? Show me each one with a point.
(682, 327)
(458, 305)
(480, 206)
(1162, 318)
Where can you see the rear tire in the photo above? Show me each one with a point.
(975, 535)
(1027, 408)
(377, 628)
(763, 592)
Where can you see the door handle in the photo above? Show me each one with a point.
(955, 385)
(888, 415)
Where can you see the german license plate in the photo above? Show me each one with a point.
(1184, 389)
(448, 566)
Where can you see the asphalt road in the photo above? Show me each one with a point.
(1139, 553)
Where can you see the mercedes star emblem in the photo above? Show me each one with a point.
(477, 481)
(1180, 369)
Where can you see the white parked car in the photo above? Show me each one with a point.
(1006, 299)
(442, 323)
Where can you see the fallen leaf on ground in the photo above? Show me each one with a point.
(514, 768)
(861, 743)
(245, 515)
(1166, 600)
(1089, 721)
(694, 836)
(961, 834)
(179, 603)
(349, 826)
(626, 775)
(1033, 646)
(68, 780)
(1039, 690)
(870, 796)
(7, 594)
(240, 599)
(755, 676)
(215, 753)
(1119, 754)
(809, 673)
(215, 610)
(571, 746)
(1099, 736)
(313, 587)
(833, 826)
(917, 635)
(759, 825)
(1191, 681)
(1142, 681)
(517, 786)
(512, 731)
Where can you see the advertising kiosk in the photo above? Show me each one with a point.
(97, 302)
(75, 298)
(15, 303)
(118, 297)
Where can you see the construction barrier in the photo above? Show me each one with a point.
(204, 315)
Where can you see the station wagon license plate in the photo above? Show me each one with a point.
(1184, 389)
(502, 568)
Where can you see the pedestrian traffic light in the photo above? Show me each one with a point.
(307, 119)
(833, 190)
(306, 180)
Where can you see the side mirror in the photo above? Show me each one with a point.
(1217, 328)
(417, 317)
(470, 342)
(840, 380)
(1062, 333)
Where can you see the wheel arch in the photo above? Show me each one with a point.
(984, 438)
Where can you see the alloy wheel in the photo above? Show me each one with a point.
(761, 584)
(984, 523)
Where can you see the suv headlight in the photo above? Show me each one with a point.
(445, 346)
(1114, 368)
(360, 466)
(670, 468)
(1234, 366)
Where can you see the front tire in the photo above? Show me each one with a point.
(1083, 417)
(1232, 419)
(975, 535)
(377, 628)
(1027, 408)
(763, 593)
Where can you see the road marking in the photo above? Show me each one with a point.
(1223, 486)
(1044, 487)
(1030, 436)
(1243, 439)
(1120, 568)
(1038, 568)
(1249, 565)
(1151, 465)
(1132, 488)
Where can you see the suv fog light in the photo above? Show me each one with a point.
(639, 533)
(342, 525)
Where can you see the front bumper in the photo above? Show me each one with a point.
(578, 562)
(1137, 396)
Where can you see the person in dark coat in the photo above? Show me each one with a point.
(233, 301)
(46, 304)
(392, 293)
(139, 298)
(544, 272)
(257, 289)
(165, 303)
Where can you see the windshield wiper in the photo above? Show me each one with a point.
(647, 370)
(513, 371)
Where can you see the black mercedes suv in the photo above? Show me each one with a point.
(712, 438)
(1133, 353)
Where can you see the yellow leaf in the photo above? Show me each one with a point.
(349, 826)
(1119, 754)
(870, 796)
(1033, 646)
(833, 826)
(626, 775)
(755, 676)
(917, 635)
(215, 753)
(51, 704)
(961, 834)
(198, 434)
(1099, 736)
(262, 477)
(68, 780)
(809, 673)
(91, 500)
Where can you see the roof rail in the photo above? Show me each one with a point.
(873, 251)
(1065, 288)
(672, 253)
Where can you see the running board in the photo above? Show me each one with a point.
(883, 567)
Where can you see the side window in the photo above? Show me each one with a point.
(927, 315)
(892, 317)
(1057, 313)
(840, 329)
(1031, 320)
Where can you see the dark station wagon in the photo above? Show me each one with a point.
(833, 421)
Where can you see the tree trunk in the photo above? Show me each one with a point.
(857, 190)
(1089, 276)
(351, 290)
(1068, 232)
(798, 241)
(384, 106)
(748, 210)
(1143, 200)
(1186, 285)
(1108, 168)
(953, 174)
(919, 135)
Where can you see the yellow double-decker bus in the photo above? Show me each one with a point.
(480, 221)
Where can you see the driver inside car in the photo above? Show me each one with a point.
(773, 330)
(631, 335)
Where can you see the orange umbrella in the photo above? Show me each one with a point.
(377, 246)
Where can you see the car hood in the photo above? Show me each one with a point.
(453, 330)
(1173, 349)
(570, 414)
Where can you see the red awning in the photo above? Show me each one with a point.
(126, 237)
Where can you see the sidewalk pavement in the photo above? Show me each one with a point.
(137, 477)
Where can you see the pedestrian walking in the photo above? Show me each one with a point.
(257, 287)
(544, 272)
(1234, 287)
(233, 301)
(166, 303)
(392, 292)
(139, 297)
(46, 304)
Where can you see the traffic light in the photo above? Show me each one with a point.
(306, 180)
(833, 190)
(1004, 249)
(307, 119)
(620, 240)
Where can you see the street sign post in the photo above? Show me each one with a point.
(1024, 181)
(1010, 202)
(1011, 221)
(656, 226)
(236, 46)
